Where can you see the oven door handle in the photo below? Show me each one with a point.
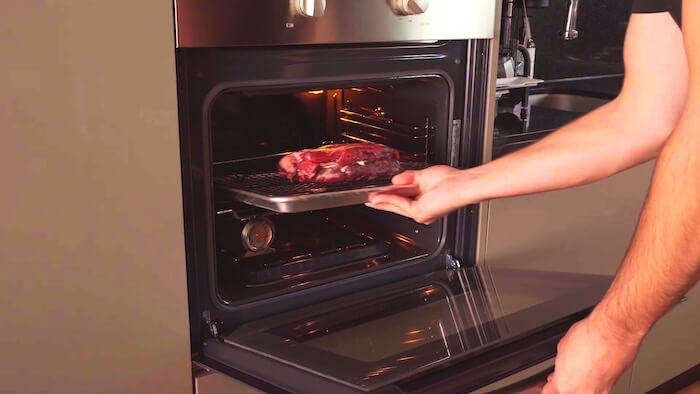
(531, 385)
(528, 381)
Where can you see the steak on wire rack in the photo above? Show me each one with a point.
(340, 163)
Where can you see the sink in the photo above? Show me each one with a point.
(567, 102)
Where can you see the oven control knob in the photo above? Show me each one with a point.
(309, 8)
(410, 7)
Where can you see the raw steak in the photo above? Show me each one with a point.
(340, 163)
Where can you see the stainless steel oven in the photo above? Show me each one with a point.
(301, 288)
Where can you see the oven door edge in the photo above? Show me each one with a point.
(509, 368)
(530, 380)
(528, 357)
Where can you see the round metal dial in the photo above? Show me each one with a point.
(309, 8)
(257, 235)
(410, 7)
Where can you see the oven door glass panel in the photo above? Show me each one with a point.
(370, 339)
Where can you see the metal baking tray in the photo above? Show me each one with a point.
(275, 192)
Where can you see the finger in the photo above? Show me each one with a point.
(549, 388)
(399, 202)
(405, 178)
(388, 208)
(423, 219)
(430, 206)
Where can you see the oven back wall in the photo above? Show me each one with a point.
(92, 267)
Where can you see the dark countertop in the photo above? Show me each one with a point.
(542, 122)
(508, 137)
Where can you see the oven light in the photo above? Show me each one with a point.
(315, 91)
(429, 291)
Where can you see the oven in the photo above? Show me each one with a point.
(300, 287)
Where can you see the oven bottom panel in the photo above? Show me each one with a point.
(302, 250)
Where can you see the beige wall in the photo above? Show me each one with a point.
(92, 267)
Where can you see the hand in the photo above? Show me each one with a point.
(590, 360)
(441, 190)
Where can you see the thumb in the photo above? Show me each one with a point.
(549, 389)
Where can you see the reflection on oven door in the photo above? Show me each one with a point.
(371, 339)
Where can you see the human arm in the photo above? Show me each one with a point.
(625, 132)
(663, 260)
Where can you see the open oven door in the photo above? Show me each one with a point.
(453, 330)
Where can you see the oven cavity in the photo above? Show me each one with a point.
(274, 235)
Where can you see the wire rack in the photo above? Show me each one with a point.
(275, 192)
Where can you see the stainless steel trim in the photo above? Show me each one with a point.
(210, 381)
(220, 23)
(567, 102)
(570, 32)
(513, 383)
(409, 7)
(482, 225)
(310, 8)
(516, 82)
(455, 142)
(311, 202)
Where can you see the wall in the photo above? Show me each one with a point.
(92, 274)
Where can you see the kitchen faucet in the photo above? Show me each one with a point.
(570, 32)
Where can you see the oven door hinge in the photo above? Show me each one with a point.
(455, 139)
(211, 326)
(452, 263)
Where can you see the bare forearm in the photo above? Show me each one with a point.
(595, 146)
(619, 135)
(663, 260)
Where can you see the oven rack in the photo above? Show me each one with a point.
(270, 190)
(281, 269)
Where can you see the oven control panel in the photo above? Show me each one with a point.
(309, 8)
(235, 23)
(410, 7)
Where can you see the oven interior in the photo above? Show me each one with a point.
(261, 253)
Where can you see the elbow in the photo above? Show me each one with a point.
(643, 128)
